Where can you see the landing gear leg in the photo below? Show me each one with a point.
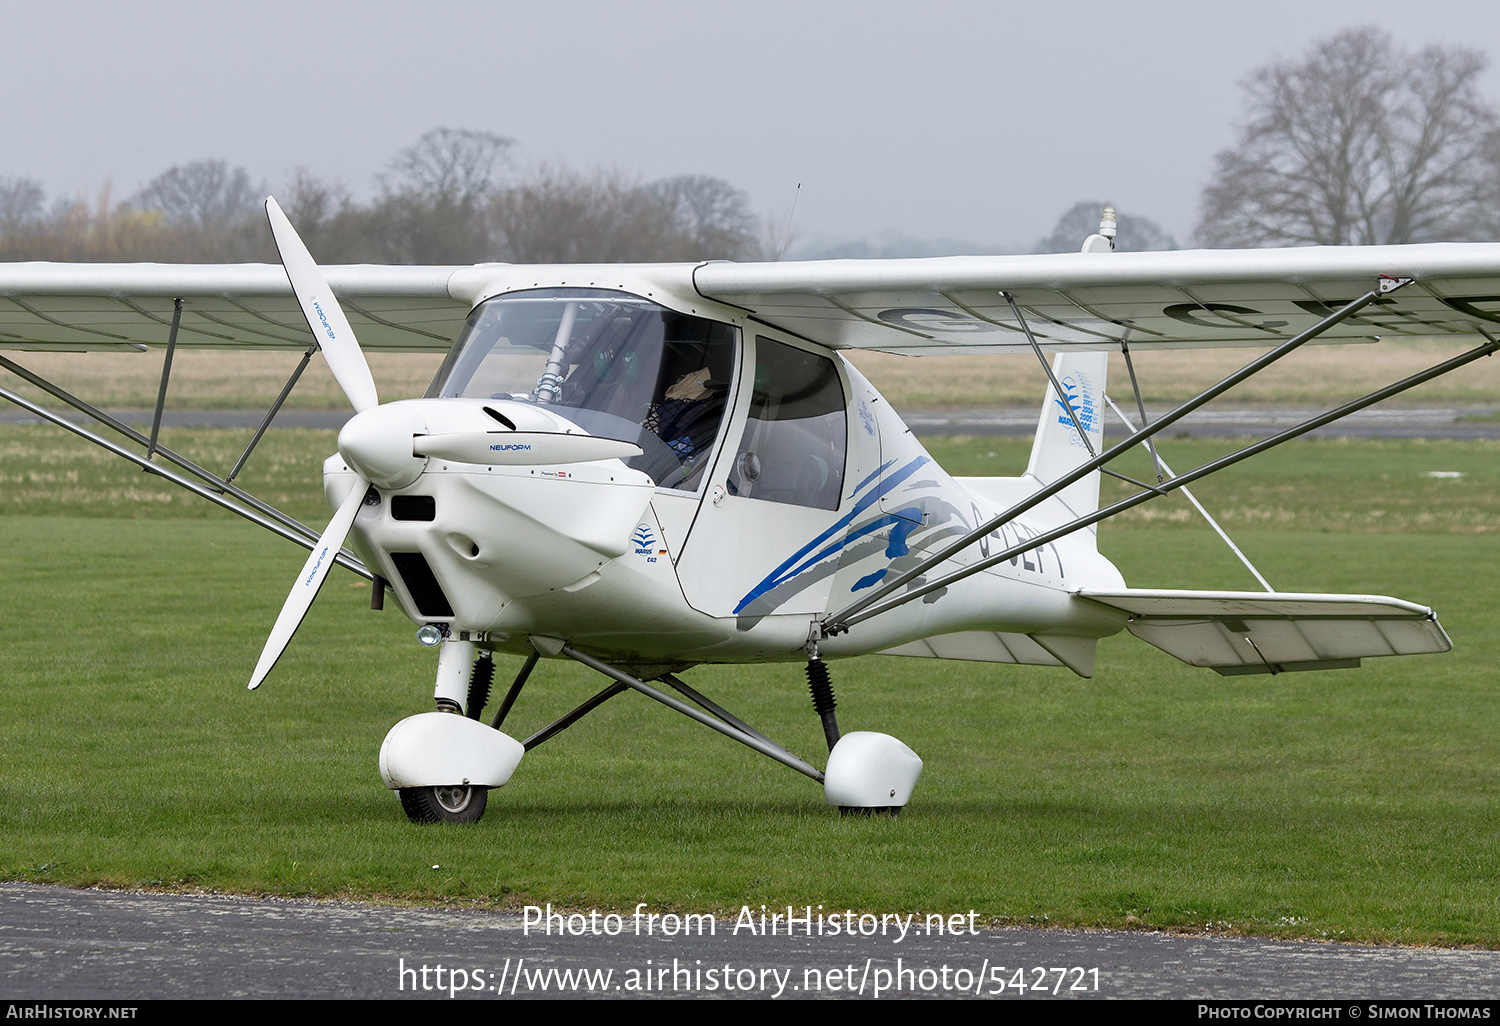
(820, 684)
(480, 679)
(443, 764)
(455, 661)
(868, 773)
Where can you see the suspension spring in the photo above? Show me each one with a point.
(480, 679)
(820, 684)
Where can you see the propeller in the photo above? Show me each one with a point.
(309, 582)
(324, 315)
(347, 362)
(388, 443)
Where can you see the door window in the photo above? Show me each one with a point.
(796, 436)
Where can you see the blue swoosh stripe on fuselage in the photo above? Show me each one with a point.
(792, 567)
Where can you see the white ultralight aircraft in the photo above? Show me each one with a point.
(646, 468)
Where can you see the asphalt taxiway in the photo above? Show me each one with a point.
(1018, 422)
(60, 944)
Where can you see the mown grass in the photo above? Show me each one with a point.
(1335, 484)
(45, 472)
(1352, 804)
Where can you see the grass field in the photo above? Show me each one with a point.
(1348, 804)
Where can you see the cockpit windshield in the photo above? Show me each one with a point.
(617, 365)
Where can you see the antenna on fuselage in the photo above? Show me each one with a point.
(785, 239)
(1103, 241)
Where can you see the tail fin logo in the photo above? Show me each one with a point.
(1079, 396)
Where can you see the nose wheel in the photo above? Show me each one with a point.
(446, 804)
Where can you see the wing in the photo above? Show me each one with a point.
(1179, 299)
(72, 307)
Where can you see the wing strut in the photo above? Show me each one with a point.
(166, 374)
(843, 619)
(875, 604)
(1140, 404)
(1057, 389)
(219, 485)
(344, 559)
(271, 413)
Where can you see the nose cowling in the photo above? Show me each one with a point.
(378, 444)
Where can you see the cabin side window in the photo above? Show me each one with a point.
(796, 436)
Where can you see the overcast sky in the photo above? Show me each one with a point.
(978, 122)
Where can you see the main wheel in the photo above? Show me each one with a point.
(457, 803)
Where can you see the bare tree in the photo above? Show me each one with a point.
(1136, 234)
(334, 227)
(81, 229)
(442, 200)
(557, 215)
(212, 207)
(311, 203)
(1359, 143)
(449, 164)
(435, 196)
(709, 218)
(1488, 201)
(20, 204)
(204, 194)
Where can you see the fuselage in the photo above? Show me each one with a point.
(773, 484)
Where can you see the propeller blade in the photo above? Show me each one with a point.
(324, 315)
(309, 581)
(521, 448)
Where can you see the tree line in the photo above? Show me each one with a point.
(453, 197)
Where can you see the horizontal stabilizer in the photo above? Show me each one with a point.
(1254, 632)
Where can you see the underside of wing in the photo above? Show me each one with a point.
(1254, 632)
(1179, 299)
(1077, 654)
(75, 307)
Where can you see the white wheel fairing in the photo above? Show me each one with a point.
(867, 770)
(442, 750)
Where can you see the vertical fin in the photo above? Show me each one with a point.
(1057, 448)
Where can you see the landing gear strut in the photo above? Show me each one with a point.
(820, 684)
(443, 764)
(868, 773)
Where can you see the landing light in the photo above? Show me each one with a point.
(429, 635)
